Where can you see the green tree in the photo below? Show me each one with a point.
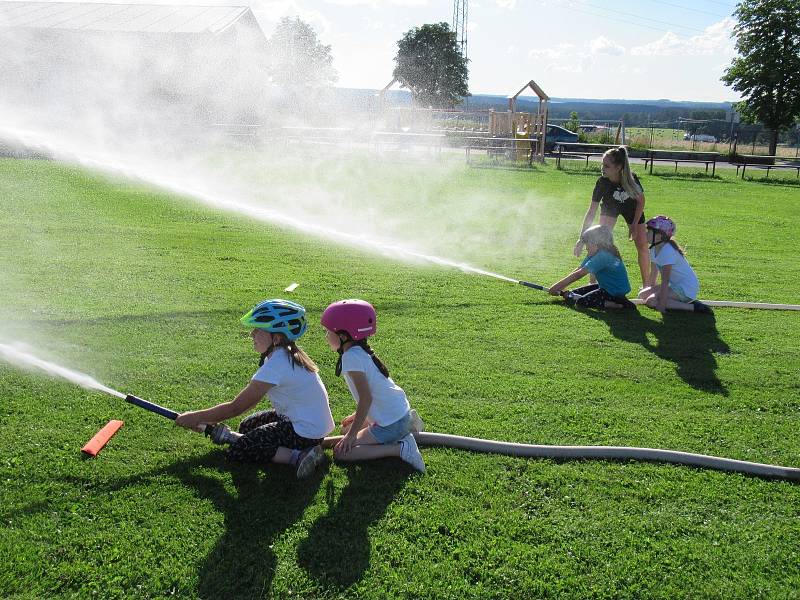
(297, 58)
(574, 122)
(430, 64)
(767, 70)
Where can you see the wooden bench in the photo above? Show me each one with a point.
(755, 161)
(706, 158)
(579, 150)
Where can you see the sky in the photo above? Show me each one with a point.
(626, 49)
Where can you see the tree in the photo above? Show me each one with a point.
(430, 64)
(767, 70)
(297, 58)
(574, 122)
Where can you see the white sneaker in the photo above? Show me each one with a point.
(410, 453)
(308, 463)
(416, 424)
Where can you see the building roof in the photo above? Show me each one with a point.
(139, 18)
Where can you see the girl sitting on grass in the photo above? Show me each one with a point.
(383, 422)
(292, 431)
(604, 262)
(679, 285)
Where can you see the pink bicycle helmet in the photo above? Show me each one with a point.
(662, 224)
(355, 317)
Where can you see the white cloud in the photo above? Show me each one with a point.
(603, 45)
(509, 4)
(715, 39)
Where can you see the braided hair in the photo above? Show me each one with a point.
(366, 347)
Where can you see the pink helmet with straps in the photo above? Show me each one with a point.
(663, 224)
(355, 317)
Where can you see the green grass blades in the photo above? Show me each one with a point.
(142, 290)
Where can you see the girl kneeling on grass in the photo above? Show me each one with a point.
(604, 262)
(292, 431)
(382, 424)
(679, 285)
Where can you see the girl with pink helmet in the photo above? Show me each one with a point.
(383, 422)
(679, 285)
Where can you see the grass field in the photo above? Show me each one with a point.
(142, 290)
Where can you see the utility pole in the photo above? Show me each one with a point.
(460, 15)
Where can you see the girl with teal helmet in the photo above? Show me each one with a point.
(291, 432)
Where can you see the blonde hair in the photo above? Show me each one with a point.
(297, 354)
(620, 158)
(602, 237)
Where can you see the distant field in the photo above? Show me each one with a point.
(143, 290)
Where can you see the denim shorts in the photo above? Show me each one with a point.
(393, 432)
(680, 295)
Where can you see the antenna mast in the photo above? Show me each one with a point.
(460, 15)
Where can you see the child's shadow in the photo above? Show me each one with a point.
(265, 503)
(687, 339)
(337, 550)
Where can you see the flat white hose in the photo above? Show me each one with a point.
(732, 304)
(600, 452)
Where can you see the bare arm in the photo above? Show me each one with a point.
(364, 403)
(588, 219)
(637, 214)
(577, 274)
(651, 279)
(244, 401)
(663, 291)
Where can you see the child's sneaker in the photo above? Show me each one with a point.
(410, 453)
(701, 308)
(308, 462)
(416, 424)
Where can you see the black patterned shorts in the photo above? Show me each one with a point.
(264, 432)
(593, 296)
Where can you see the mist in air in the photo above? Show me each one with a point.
(201, 101)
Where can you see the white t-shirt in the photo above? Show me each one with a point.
(682, 274)
(389, 402)
(298, 394)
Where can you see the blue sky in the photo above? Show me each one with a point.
(643, 49)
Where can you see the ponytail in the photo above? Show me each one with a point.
(297, 355)
(365, 346)
(620, 157)
(378, 363)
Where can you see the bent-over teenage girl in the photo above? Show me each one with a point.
(618, 192)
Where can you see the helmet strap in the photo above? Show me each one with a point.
(265, 354)
(340, 350)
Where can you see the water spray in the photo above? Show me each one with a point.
(220, 434)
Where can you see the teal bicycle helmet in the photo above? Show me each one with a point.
(278, 316)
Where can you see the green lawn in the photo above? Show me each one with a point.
(143, 289)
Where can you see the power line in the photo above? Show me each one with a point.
(681, 6)
(605, 16)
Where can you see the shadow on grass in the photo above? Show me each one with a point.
(689, 340)
(266, 502)
(688, 176)
(775, 181)
(337, 550)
